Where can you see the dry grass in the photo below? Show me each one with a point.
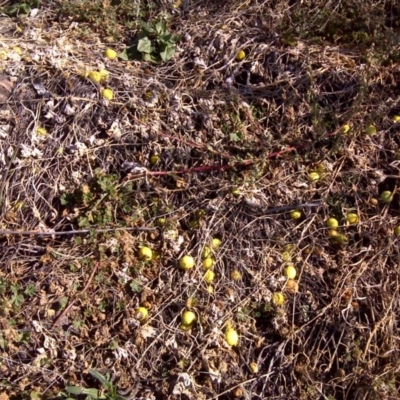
(80, 198)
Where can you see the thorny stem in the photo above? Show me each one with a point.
(207, 168)
(203, 168)
(51, 233)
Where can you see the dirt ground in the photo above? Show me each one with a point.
(269, 139)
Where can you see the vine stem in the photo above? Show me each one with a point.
(208, 168)
(51, 233)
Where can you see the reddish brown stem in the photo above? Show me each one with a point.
(207, 168)
(203, 168)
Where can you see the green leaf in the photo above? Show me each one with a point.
(144, 45)
(17, 299)
(161, 27)
(168, 38)
(147, 29)
(150, 57)
(174, 39)
(93, 393)
(136, 286)
(25, 9)
(74, 389)
(124, 55)
(63, 302)
(34, 395)
(18, 9)
(113, 345)
(30, 290)
(235, 137)
(15, 289)
(64, 199)
(101, 378)
(83, 222)
(3, 286)
(168, 53)
(131, 52)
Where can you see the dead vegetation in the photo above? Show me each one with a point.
(202, 146)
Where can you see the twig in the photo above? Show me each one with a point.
(51, 233)
(241, 164)
(64, 313)
(274, 210)
(206, 168)
(41, 99)
(203, 168)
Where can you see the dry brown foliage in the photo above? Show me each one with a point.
(236, 141)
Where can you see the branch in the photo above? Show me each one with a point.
(51, 233)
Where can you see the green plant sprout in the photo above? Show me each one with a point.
(155, 44)
(110, 390)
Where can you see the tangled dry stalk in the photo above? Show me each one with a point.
(235, 142)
